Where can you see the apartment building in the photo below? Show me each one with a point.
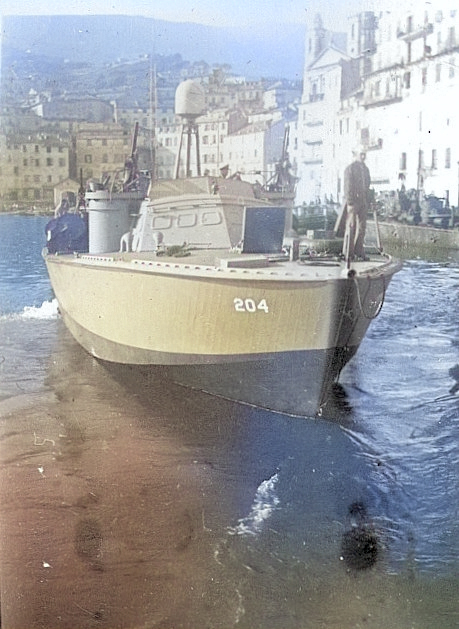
(100, 149)
(392, 89)
(30, 167)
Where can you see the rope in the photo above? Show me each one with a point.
(379, 308)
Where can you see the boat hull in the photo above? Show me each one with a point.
(277, 344)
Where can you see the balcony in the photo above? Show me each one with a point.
(381, 101)
(416, 33)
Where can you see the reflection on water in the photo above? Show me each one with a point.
(129, 501)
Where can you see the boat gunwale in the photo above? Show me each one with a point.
(196, 271)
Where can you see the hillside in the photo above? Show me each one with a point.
(278, 53)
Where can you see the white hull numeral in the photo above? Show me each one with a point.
(250, 305)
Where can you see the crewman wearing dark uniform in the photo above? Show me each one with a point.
(356, 203)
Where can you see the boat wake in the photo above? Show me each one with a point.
(47, 310)
(265, 502)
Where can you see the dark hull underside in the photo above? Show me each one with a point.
(297, 383)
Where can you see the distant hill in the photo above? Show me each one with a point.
(274, 53)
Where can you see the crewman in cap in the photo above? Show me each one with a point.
(353, 220)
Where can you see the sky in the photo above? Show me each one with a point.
(241, 13)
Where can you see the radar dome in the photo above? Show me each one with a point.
(189, 99)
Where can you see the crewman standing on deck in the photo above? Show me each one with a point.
(353, 220)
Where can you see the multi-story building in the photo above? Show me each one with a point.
(409, 101)
(100, 149)
(30, 167)
(246, 138)
(392, 90)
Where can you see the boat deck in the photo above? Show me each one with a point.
(222, 263)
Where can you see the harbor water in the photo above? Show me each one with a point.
(129, 501)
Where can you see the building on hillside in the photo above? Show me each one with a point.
(281, 95)
(224, 92)
(78, 109)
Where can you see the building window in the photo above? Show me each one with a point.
(49, 161)
(16, 170)
(403, 161)
(24, 148)
(62, 162)
(104, 142)
(50, 178)
(438, 72)
(104, 158)
(448, 158)
(37, 148)
(421, 158)
(48, 149)
(36, 178)
(407, 80)
(424, 77)
(37, 163)
(88, 142)
(88, 159)
(24, 162)
(434, 159)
